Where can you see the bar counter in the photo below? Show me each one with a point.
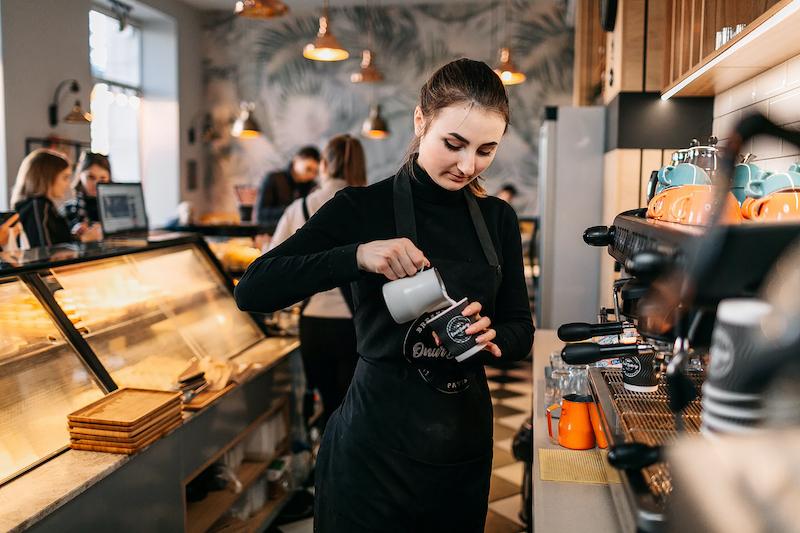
(82, 491)
(558, 506)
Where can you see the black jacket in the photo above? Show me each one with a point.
(42, 223)
(277, 191)
(82, 208)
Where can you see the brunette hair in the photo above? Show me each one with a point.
(37, 173)
(308, 152)
(462, 80)
(89, 159)
(344, 159)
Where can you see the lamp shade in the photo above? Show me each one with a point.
(507, 70)
(77, 115)
(245, 126)
(368, 73)
(260, 9)
(375, 126)
(325, 47)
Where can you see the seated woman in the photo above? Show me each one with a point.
(43, 179)
(81, 211)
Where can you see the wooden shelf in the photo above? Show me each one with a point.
(766, 42)
(267, 514)
(200, 516)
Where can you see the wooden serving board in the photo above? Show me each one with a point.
(205, 398)
(137, 443)
(125, 438)
(174, 412)
(124, 407)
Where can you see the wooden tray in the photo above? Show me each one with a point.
(205, 398)
(125, 407)
(137, 443)
(106, 448)
(174, 412)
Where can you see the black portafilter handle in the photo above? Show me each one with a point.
(599, 235)
(634, 456)
(580, 331)
(647, 266)
(585, 353)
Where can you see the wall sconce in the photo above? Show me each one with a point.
(76, 115)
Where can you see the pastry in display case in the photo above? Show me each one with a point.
(146, 315)
(42, 379)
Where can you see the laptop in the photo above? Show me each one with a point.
(122, 213)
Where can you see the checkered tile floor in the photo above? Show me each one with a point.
(511, 392)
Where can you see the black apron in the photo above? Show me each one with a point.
(410, 449)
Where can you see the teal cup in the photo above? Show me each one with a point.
(744, 174)
(780, 181)
(682, 174)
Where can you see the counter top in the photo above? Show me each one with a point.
(32, 496)
(560, 506)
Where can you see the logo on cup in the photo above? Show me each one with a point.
(721, 353)
(631, 367)
(456, 328)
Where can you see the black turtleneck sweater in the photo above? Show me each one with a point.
(322, 255)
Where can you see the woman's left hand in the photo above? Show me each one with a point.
(481, 325)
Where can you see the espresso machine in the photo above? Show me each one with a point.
(673, 277)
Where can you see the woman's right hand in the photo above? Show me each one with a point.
(8, 230)
(394, 258)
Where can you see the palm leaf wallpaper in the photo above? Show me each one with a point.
(301, 102)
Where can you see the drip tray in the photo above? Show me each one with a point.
(642, 417)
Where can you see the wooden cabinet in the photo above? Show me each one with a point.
(694, 66)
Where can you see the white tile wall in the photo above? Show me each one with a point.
(775, 94)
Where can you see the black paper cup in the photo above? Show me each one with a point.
(450, 326)
(245, 214)
(640, 373)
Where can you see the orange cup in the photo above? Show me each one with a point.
(779, 206)
(599, 436)
(691, 205)
(575, 429)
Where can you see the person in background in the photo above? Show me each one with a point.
(327, 333)
(92, 168)
(281, 188)
(507, 193)
(44, 179)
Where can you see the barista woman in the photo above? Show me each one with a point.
(411, 447)
(81, 211)
(327, 334)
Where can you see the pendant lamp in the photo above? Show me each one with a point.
(245, 126)
(375, 126)
(368, 73)
(507, 70)
(325, 47)
(260, 9)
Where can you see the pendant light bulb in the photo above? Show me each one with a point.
(325, 47)
(507, 70)
(375, 126)
(369, 73)
(260, 9)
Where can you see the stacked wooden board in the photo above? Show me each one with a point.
(125, 421)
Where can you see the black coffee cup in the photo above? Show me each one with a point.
(450, 326)
(640, 373)
(734, 346)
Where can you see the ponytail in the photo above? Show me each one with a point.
(344, 158)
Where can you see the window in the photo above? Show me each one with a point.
(115, 56)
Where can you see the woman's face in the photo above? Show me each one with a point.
(60, 186)
(91, 177)
(458, 144)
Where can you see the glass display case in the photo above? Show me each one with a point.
(42, 379)
(103, 318)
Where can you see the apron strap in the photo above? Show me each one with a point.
(404, 208)
(406, 224)
(481, 229)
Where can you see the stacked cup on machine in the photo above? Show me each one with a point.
(730, 404)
